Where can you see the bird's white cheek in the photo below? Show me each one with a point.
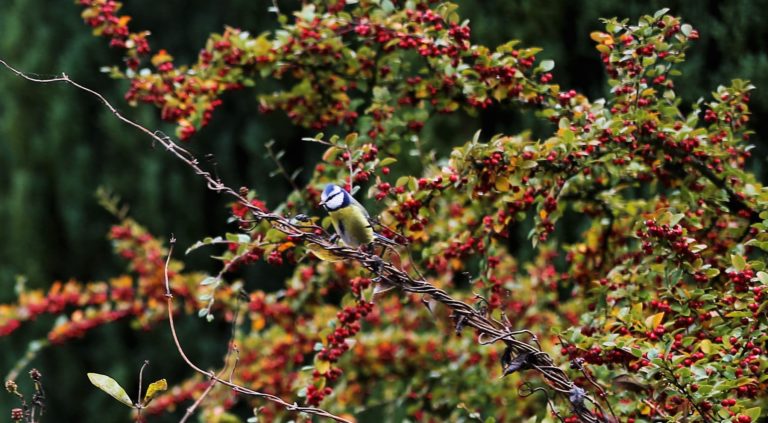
(334, 203)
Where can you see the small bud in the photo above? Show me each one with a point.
(10, 386)
(17, 414)
(35, 375)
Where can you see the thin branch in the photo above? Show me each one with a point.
(138, 398)
(280, 168)
(141, 377)
(191, 409)
(237, 388)
(683, 390)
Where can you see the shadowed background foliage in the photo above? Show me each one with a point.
(57, 146)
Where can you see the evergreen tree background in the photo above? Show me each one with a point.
(57, 146)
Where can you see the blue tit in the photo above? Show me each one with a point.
(349, 218)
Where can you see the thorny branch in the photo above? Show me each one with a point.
(385, 272)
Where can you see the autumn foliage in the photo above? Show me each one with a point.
(657, 311)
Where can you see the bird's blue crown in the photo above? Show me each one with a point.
(328, 189)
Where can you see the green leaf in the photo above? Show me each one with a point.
(110, 386)
(401, 181)
(753, 413)
(547, 65)
(208, 281)
(738, 262)
(387, 161)
(675, 218)
(154, 389)
(712, 272)
(660, 13)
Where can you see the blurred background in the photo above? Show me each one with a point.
(58, 145)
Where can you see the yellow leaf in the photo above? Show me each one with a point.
(452, 106)
(258, 323)
(322, 366)
(330, 153)
(161, 57)
(602, 48)
(653, 321)
(284, 246)
(90, 12)
(500, 93)
(502, 184)
(456, 264)
(706, 346)
(601, 37)
(262, 45)
(323, 254)
(420, 235)
(154, 389)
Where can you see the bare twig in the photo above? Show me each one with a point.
(237, 388)
(191, 409)
(280, 168)
(141, 377)
(230, 348)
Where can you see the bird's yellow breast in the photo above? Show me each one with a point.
(352, 226)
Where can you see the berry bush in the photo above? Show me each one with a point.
(656, 312)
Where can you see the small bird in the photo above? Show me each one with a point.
(350, 219)
(353, 225)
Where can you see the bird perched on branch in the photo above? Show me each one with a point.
(350, 219)
(353, 225)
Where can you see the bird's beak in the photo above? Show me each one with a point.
(322, 204)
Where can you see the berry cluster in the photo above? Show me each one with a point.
(336, 344)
